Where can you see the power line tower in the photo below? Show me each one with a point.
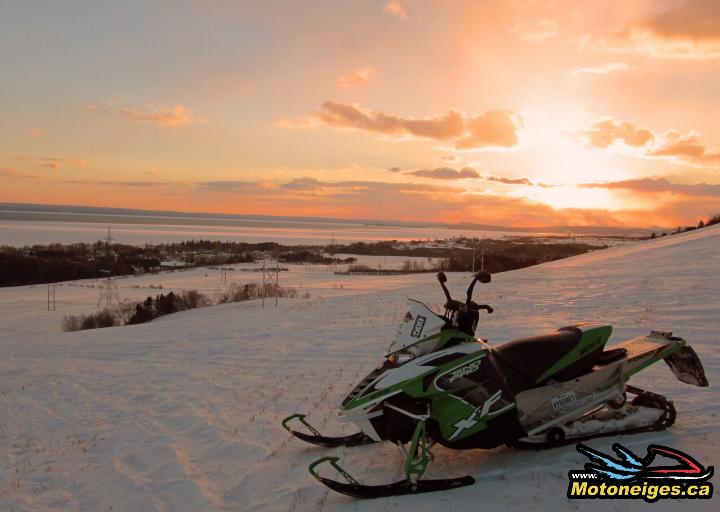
(271, 276)
(482, 256)
(109, 293)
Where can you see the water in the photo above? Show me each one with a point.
(20, 233)
(20, 228)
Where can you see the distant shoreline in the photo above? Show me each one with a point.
(100, 215)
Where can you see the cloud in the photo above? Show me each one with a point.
(35, 133)
(686, 30)
(52, 162)
(357, 77)
(606, 131)
(660, 185)
(230, 185)
(695, 20)
(394, 7)
(449, 158)
(446, 173)
(12, 173)
(687, 147)
(601, 70)
(394, 169)
(510, 181)
(491, 129)
(542, 30)
(306, 184)
(158, 114)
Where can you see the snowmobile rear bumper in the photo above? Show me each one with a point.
(686, 366)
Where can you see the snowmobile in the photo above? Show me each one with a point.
(439, 384)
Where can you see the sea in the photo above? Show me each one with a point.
(20, 227)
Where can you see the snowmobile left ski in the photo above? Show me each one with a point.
(439, 384)
(316, 438)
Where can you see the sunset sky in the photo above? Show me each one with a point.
(509, 113)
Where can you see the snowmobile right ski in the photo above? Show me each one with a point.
(357, 490)
(316, 438)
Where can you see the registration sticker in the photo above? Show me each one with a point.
(563, 400)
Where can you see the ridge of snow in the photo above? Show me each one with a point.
(184, 413)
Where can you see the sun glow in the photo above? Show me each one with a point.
(576, 197)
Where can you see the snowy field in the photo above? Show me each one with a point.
(184, 413)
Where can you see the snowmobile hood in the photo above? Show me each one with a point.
(419, 325)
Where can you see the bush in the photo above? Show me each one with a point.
(103, 318)
(71, 323)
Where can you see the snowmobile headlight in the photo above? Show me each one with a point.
(401, 358)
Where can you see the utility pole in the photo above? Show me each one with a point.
(51, 297)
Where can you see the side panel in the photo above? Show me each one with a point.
(471, 396)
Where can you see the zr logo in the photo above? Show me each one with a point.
(464, 370)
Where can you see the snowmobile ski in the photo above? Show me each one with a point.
(357, 490)
(316, 438)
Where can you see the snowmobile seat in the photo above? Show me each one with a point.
(525, 360)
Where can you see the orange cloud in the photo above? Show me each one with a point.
(446, 173)
(606, 131)
(176, 116)
(394, 7)
(660, 185)
(357, 77)
(12, 173)
(35, 133)
(686, 30)
(696, 20)
(510, 181)
(52, 162)
(602, 69)
(539, 31)
(493, 128)
(688, 147)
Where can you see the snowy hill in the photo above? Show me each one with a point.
(184, 413)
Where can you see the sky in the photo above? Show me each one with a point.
(531, 113)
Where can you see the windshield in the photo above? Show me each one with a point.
(419, 323)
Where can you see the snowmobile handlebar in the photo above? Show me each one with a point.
(484, 277)
(442, 278)
(455, 305)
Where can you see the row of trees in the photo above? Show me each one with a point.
(715, 219)
(130, 313)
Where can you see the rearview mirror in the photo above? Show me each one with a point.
(483, 276)
(441, 277)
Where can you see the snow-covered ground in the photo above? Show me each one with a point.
(184, 413)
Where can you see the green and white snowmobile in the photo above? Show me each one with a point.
(440, 384)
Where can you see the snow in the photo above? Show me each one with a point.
(184, 413)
